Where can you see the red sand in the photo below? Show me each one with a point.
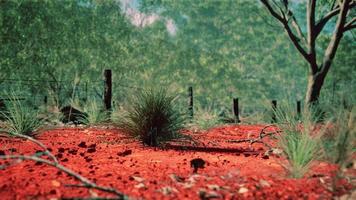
(232, 171)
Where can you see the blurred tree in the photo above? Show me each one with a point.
(336, 12)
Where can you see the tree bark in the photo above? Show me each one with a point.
(315, 82)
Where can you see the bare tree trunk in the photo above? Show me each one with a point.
(315, 83)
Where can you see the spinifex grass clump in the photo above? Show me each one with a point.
(299, 139)
(19, 118)
(153, 117)
(206, 118)
(339, 141)
(94, 113)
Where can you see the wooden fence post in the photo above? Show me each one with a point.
(45, 100)
(190, 106)
(236, 109)
(86, 91)
(299, 108)
(107, 89)
(274, 108)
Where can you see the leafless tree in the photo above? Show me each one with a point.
(340, 10)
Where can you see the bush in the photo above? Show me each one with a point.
(299, 140)
(339, 142)
(153, 117)
(206, 118)
(94, 114)
(19, 118)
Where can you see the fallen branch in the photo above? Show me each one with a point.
(258, 139)
(86, 183)
(48, 153)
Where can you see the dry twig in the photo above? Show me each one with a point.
(258, 139)
(86, 182)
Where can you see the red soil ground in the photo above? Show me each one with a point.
(232, 171)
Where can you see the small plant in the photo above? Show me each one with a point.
(153, 117)
(94, 114)
(339, 141)
(118, 114)
(206, 118)
(19, 118)
(299, 140)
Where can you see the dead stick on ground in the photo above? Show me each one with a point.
(39, 144)
(259, 139)
(86, 183)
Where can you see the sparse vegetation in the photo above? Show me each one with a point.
(299, 140)
(19, 118)
(153, 117)
(339, 140)
(206, 118)
(94, 113)
(232, 73)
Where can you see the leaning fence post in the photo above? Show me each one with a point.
(274, 108)
(107, 89)
(190, 106)
(236, 110)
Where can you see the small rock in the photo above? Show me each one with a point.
(242, 190)
(56, 183)
(264, 183)
(138, 179)
(82, 145)
(125, 153)
(61, 150)
(276, 151)
(91, 150)
(140, 185)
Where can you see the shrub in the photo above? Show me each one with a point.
(206, 118)
(153, 117)
(339, 142)
(19, 118)
(299, 140)
(118, 114)
(94, 114)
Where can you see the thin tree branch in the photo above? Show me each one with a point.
(336, 37)
(294, 22)
(311, 35)
(290, 33)
(39, 144)
(350, 25)
(321, 23)
(272, 11)
(48, 153)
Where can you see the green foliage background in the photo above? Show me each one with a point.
(224, 49)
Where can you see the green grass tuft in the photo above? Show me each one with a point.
(205, 118)
(153, 117)
(93, 113)
(339, 141)
(299, 140)
(19, 118)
